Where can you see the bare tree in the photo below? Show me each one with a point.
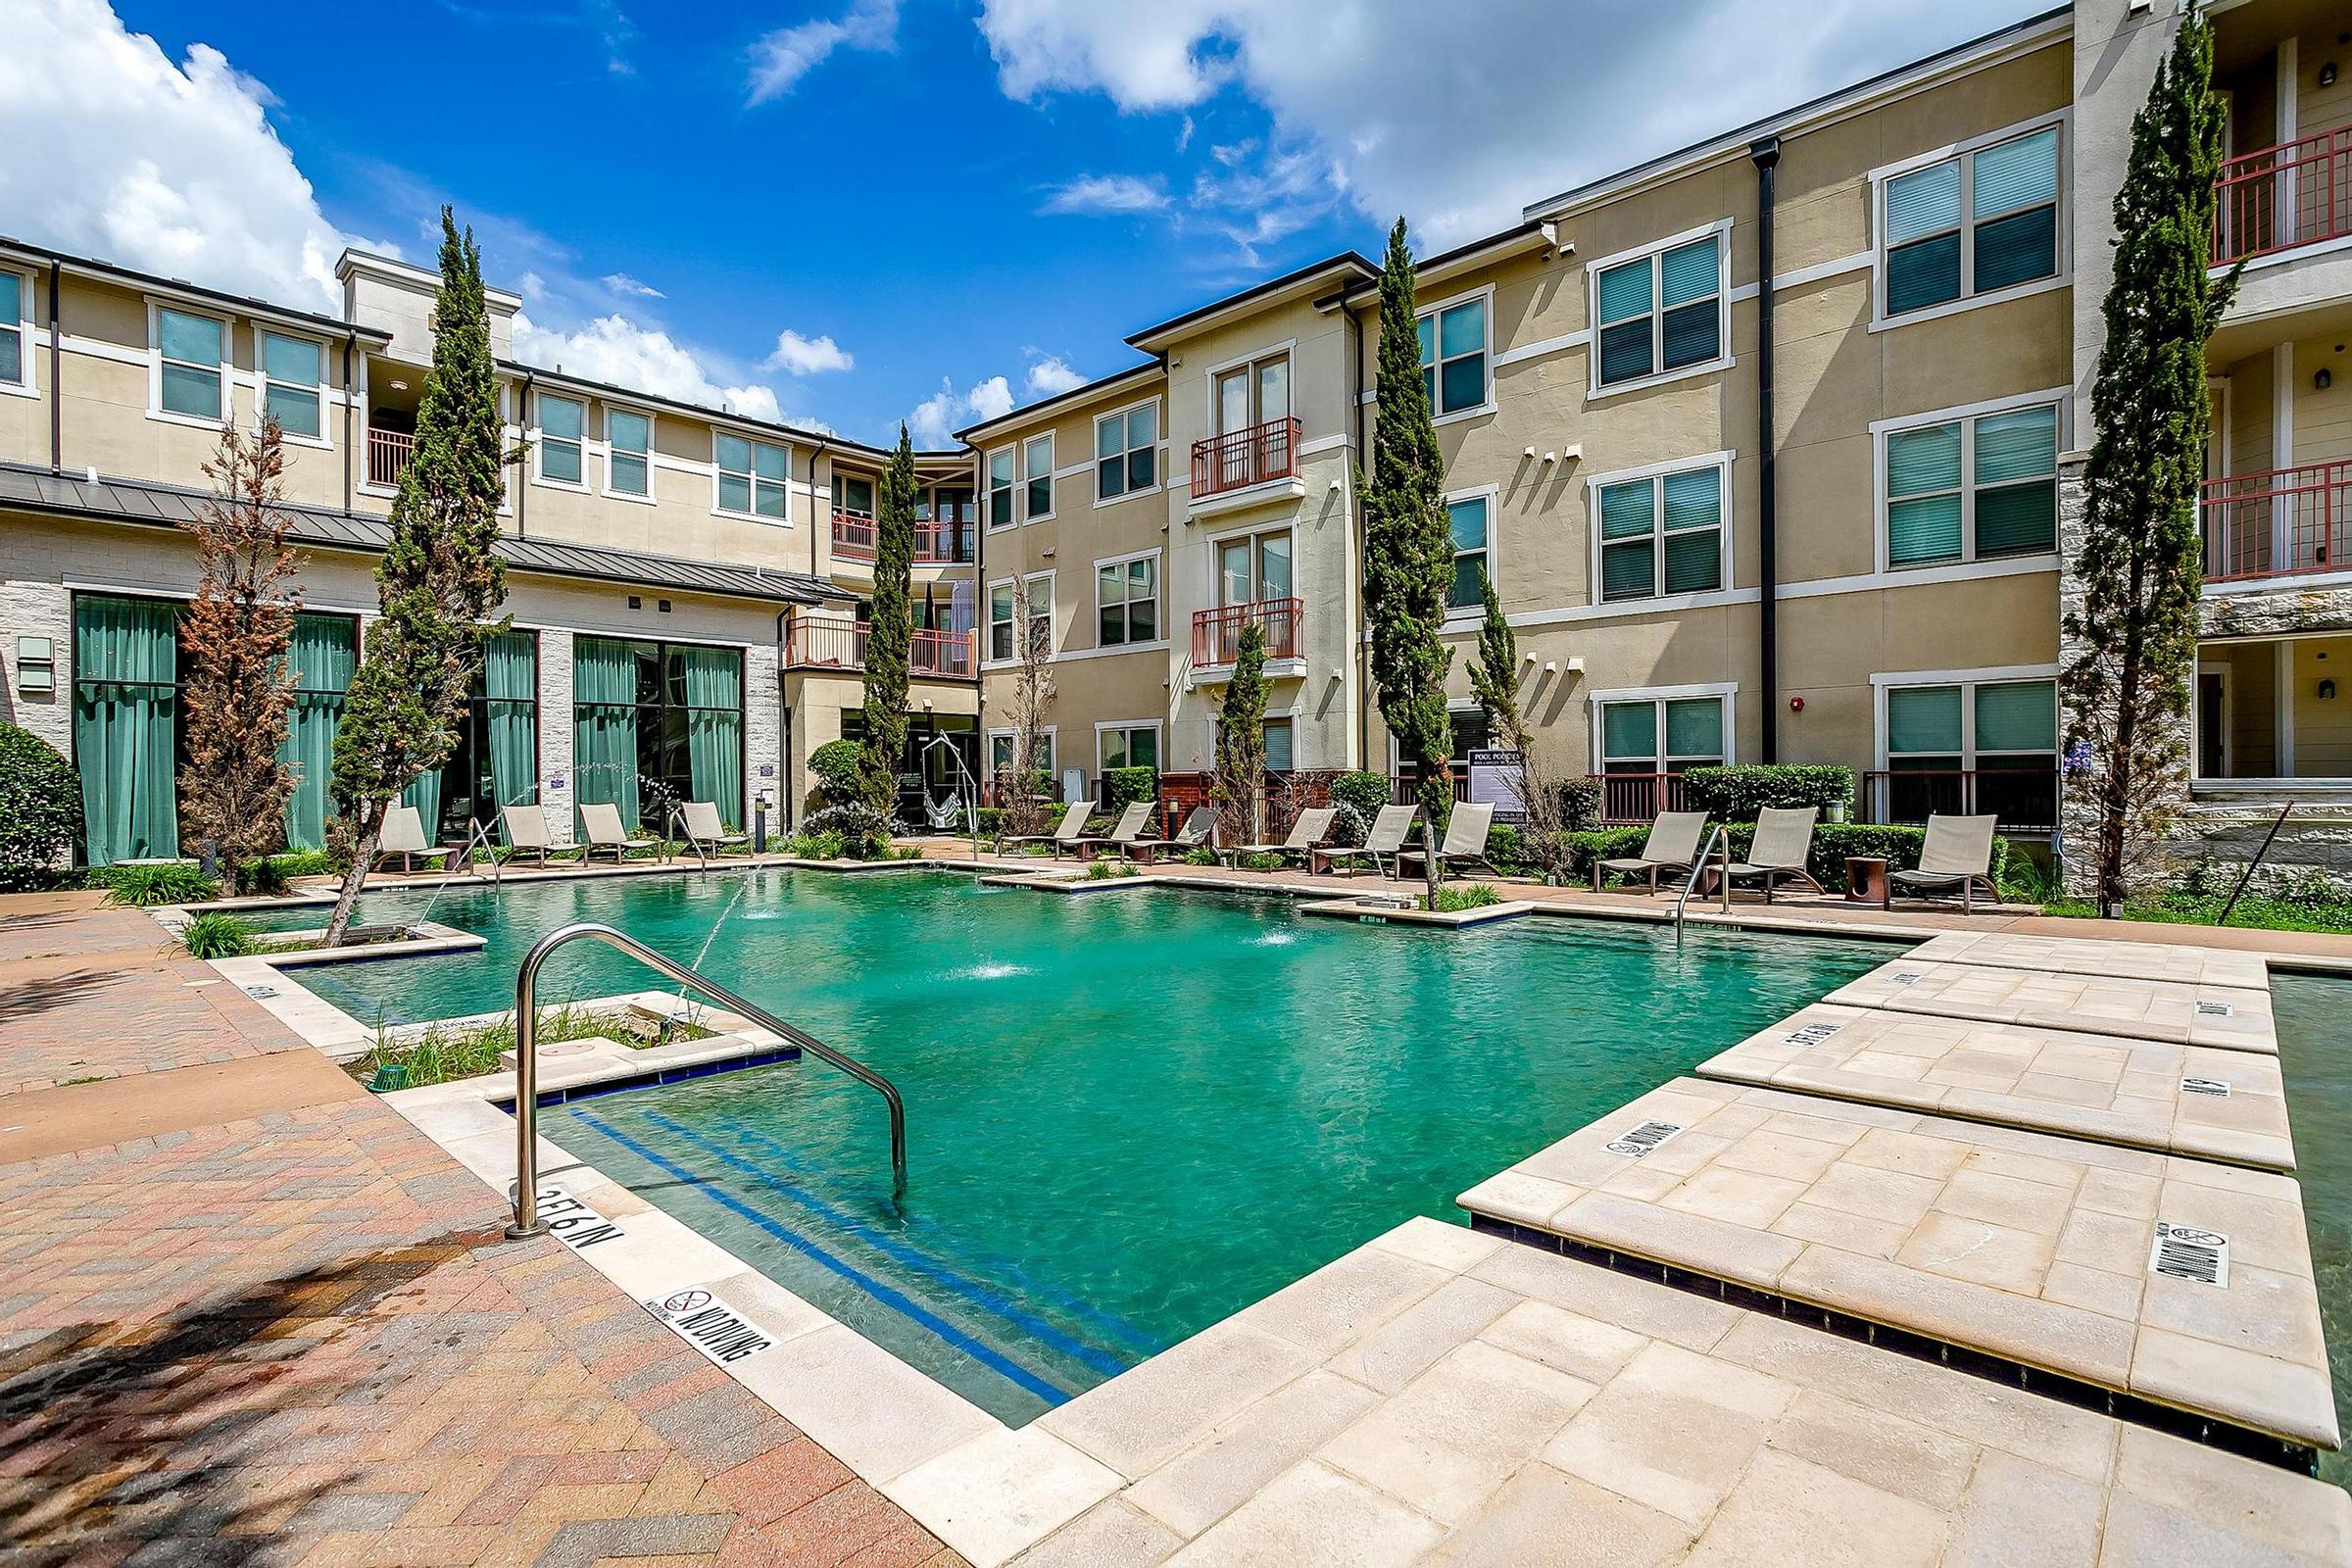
(1024, 808)
(1542, 794)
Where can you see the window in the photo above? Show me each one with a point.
(1454, 357)
(1986, 747)
(1254, 567)
(942, 530)
(1660, 313)
(1972, 489)
(629, 440)
(1661, 534)
(11, 328)
(1280, 753)
(1254, 394)
(1037, 475)
(1128, 746)
(1468, 521)
(853, 495)
(1127, 601)
(669, 714)
(1631, 733)
(1982, 222)
(1126, 452)
(1041, 611)
(1001, 599)
(999, 489)
(191, 348)
(999, 753)
(292, 372)
(750, 476)
(562, 422)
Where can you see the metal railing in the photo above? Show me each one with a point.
(526, 1060)
(856, 537)
(1238, 459)
(2277, 198)
(836, 642)
(1716, 835)
(2024, 799)
(2280, 523)
(1217, 633)
(854, 534)
(388, 455)
(1630, 799)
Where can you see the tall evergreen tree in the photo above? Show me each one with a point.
(440, 579)
(1241, 773)
(1495, 674)
(1408, 553)
(2140, 558)
(890, 632)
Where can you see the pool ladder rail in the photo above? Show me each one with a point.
(527, 1221)
(1719, 835)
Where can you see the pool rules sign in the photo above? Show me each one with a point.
(1494, 781)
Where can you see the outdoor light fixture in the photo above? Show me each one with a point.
(2325, 380)
(2328, 74)
(2326, 691)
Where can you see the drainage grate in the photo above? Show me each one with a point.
(1812, 1033)
(2185, 1253)
(2215, 1009)
(1906, 978)
(2219, 1088)
(1642, 1138)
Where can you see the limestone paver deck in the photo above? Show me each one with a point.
(2032, 1248)
(2224, 1018)
(2228, 1105)
(2179, 962)
(1443, 1396)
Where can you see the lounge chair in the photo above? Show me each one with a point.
(1309, 831)
(605, 832)
(404, 836)
(1958, 854)
(1782, 847)
(705, 831)
(1198, 824)
(527, 833)
(1672, 845)
(1465, 840)
(1071, 828)
(1381, 842)
(1125, 831)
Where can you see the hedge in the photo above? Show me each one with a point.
(1123, 786)
(40, 811)
(1737, 794)
(836, 765)
(1367, 792)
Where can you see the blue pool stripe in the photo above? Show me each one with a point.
(896, 1300)
(991, 1303)
(1110, 1323)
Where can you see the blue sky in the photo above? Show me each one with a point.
(861, 211)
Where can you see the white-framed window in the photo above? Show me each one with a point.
(562, 438)
(1470, 518)
(1454, 357)
(1281, 744)
(1004, 600)
(1968, 742)
(1963, 486)
(1123, 745)
(1254, 567)
(1661, 530)
(1661, 313)
(1980, 222)
(190, 352)
(13, 355)
(1000, 751)
(1127, 452)
(853, 494)
(1127, 600)
(629, 453)
(1037, 478)
(1251, 392)
(294, 384)
(751, 476)
(1667, 732)
(1040, 592)
(1001, 512)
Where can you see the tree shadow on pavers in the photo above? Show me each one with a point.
(29, 998)
(201, 1438)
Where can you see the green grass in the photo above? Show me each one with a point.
(1476, 895)
(215, 935)
(447, 1052)
(145, 886)
(2332, 915)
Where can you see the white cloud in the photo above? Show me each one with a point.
(615, 350)
(1404, 108)
(807, 356)
(166, 168)
(623, 283)
(1053, 374)
(1105, 193)
(783, 57)
(936, 420)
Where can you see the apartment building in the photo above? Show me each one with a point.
(1770, 447)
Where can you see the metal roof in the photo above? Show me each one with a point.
(155, 506)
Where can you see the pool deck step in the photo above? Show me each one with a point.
(2177, 963)
(2218, 1017)
(2037, 1252)
(2157, 1094)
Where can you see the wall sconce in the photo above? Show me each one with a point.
(2328, 74)
(2326, 691)
(2325, 380)
(36, 664)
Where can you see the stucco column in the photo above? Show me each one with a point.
(558, 788)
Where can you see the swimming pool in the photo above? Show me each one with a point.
(2315, 1054)
(1130, 1113)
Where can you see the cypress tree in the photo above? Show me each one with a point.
(890, 632)
(440, 578)
(1495, 674)
(1408, 553)
(2140, 560)
(1241, 773)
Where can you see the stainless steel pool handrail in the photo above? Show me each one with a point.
(526, 1060)
(1698, 868)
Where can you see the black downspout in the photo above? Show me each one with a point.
(1767, 156)
(522, 422)
(814, 510)
(57, 386)
(1361, 462)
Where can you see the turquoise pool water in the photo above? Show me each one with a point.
(1129, 1113)
(2315, 1049)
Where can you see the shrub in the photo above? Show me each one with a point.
(1347, 824)
(1580, 804)
(145, 886)
(991, 820)
(837, 766)
(1367, 792)
(1737, 794)
(1261, 862)
(814, 845)
(1477, 896)
(1202, 856)
(864, 832)
(215, 935)
(1123, 786)
(40, 811)
(1506, 846)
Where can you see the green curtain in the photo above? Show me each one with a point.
(511, 689)
(604, 730)
(425, 793)
(321, 653)
(126, 702)
(715, 727)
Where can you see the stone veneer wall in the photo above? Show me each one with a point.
(762, 732)
(557, 787)
(38, 609)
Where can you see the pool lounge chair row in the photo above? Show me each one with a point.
(1957, 855)
(527, 833)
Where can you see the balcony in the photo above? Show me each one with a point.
(1241, 459)
(1217, 633)
(936, 543)
(2282, 197)
(1631, 799)
(388, 455)
(2287, 523)
(836, 642)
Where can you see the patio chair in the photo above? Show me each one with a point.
(1958, 854)
(1782, 847)
(605, 832)
(706, 831)
(1465, 841)
(1306, 834)
(404, 836)
(1198, 824)
(1381, 842)
(1672, 845)
(1071, 827)
(1125, 831)
(527, 833)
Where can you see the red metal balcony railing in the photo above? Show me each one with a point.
(1627, 798)
(388, 455)
(2277, 198)
(1217, 633)
(2281, 523)
(836, 642)
(2025, 799)
(943, 653)
(856, 538)
(1238, 459)
(854, 535)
